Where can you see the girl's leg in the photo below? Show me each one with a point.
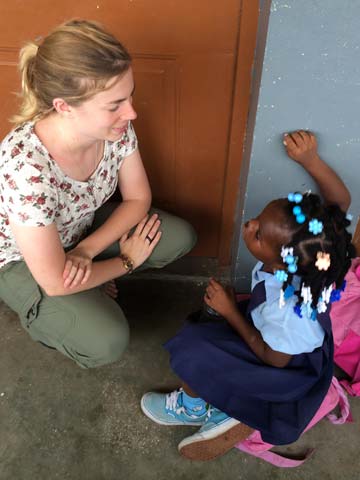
(88, 327)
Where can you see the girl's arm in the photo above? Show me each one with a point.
(301, 146)
(221, 301)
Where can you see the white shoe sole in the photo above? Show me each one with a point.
(215, 442)
(161, 422)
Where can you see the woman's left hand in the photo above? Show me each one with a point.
(77, 267)
(220, 299)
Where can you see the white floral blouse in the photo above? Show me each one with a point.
(34, 191)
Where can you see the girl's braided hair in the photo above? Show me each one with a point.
(334, 240)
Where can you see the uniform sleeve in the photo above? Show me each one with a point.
(28, 192)
(284, 331)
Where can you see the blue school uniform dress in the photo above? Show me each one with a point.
(220, 367)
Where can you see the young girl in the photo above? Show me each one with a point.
(270, 366)
(73, 146)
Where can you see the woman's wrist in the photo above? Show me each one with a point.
(128, 263)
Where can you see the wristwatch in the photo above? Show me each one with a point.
(127, 263)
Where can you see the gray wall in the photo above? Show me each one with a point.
(310, 79)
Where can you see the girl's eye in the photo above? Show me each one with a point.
(114, 109)
(257, 235)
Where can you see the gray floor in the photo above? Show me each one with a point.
(61, 422)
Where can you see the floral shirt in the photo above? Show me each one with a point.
(34, 191)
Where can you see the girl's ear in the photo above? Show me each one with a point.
(62, 108)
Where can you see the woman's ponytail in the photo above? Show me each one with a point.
(27, 63)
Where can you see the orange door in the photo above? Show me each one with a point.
(188, 65)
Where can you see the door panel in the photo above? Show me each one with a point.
(185, 64)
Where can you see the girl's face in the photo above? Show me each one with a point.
(106, 115)
(265, 234)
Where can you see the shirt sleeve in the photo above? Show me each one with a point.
(28, 192)
(284, 331)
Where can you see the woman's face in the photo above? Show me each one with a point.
(265, 234)
(106, 115)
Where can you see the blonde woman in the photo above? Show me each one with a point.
(73, 145)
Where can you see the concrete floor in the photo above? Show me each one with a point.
(61, 422)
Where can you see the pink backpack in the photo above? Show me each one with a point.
(345, 319)
(255, 446)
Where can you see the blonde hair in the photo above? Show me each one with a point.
(74, 62)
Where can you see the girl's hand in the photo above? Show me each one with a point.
(301, 146)
(139, 246)
(77, 267)
(220, 299)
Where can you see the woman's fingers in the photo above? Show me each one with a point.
(140, 226)
(67, 269)
(151, 227)
(71, 275)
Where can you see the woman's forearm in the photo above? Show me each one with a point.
(101, 272)
(123, 218)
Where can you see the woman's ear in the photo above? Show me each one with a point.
(62, 108)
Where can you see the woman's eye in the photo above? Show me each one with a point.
(114, 109)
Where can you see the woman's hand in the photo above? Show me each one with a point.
(77, 267)
(220, 299)
(139, 246)
(301, 146)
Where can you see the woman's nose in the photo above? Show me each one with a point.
(129, 113)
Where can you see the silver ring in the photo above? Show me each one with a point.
(148, 238)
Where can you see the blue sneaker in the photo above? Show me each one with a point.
(168, 409)
(218, 435)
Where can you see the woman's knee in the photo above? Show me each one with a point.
(108, 347)
(178, 238)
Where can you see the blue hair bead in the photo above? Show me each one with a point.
(291, 197)
(289, 259)
(298, 197)
(292, 268)
(335, 295)
(297, 310)
(296, 210)
(300, 218)
(289, 292)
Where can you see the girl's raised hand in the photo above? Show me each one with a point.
(141, 243)
(301, 146)
(220, 299)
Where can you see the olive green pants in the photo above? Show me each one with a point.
(89, 327)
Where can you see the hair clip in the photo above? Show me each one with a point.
(281, 299)
(306, 294)
(281, 275)
(315, 226)
(349, 217)
(323, 261)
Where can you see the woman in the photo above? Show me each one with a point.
(73, 144)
